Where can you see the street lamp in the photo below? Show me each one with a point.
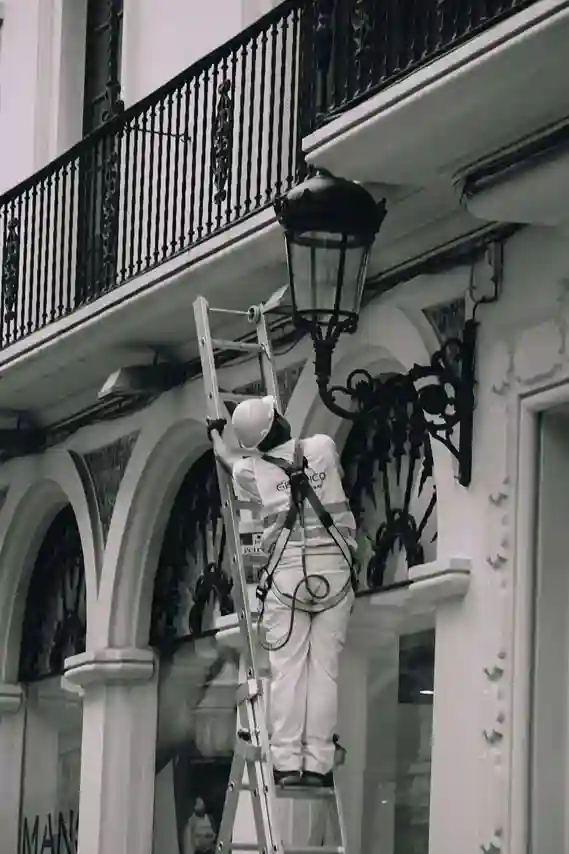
(330, 226)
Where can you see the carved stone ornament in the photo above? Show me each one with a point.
(107, 466)
(55, 618)
(447, 319)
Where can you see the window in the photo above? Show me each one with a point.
(99, 188)
(102, 62)
(54, 628)
(397, 775)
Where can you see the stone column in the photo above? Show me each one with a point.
(12, 730)
(118, 747)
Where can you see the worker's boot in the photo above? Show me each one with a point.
(287, 778)
(315, 780)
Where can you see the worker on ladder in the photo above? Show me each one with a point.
(306, 588)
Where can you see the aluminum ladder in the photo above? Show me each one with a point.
(252, 752)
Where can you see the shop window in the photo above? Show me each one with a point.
(54, 628)
(388, 478)
(197, 721)
(396, 790)
(192, 578)
(198, 677)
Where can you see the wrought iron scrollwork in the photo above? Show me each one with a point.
(388, 465)
(222, 140)
(109, 214)
(439, 395)
(55, 620)
(11, 267)
(190, 576)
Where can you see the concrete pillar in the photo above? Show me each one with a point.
(119, 734)
(12, 730)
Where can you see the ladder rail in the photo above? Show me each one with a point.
(263, 803)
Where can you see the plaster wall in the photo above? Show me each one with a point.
(42, 66)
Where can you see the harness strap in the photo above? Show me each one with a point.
(302, 489)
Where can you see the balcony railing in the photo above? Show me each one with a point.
(211, 147)
(359, 47)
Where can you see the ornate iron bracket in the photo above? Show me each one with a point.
(440, 394)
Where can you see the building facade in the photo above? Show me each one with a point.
(144, 144)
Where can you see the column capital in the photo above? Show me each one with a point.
(11, 698)
(108, 666)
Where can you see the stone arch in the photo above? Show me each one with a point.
(162, 455)
(41, 488)
(387, 340)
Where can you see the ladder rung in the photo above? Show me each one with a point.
(236, 396)
(301, 793)
(294, 849)
(314, 849)
(228, 311)
(244, 346)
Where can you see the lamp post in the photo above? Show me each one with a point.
(330, 225)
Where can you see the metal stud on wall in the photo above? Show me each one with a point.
(55, 616)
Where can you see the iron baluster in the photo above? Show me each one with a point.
(150, 225)
(212, 160)
(293, 106)
(25, 288)
(230, 181)
(204, 144)
(185, 123)
(192, 193)
(240, 134)
(271, 137)
(249, 160)
(261, 141)
(159, 137)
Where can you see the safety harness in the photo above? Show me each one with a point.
(301, 490)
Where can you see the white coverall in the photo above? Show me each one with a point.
(304, 671)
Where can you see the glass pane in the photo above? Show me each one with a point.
(52, 765)
(398, 769)
(196, 734)
(317, 271)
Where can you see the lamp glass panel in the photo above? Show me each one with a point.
(327, 274)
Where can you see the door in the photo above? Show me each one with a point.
(99, 167)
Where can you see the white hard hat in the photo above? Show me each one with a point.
(252, 421)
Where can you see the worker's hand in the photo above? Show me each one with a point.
(215, 424)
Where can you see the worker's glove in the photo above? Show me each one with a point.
(215, 424)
